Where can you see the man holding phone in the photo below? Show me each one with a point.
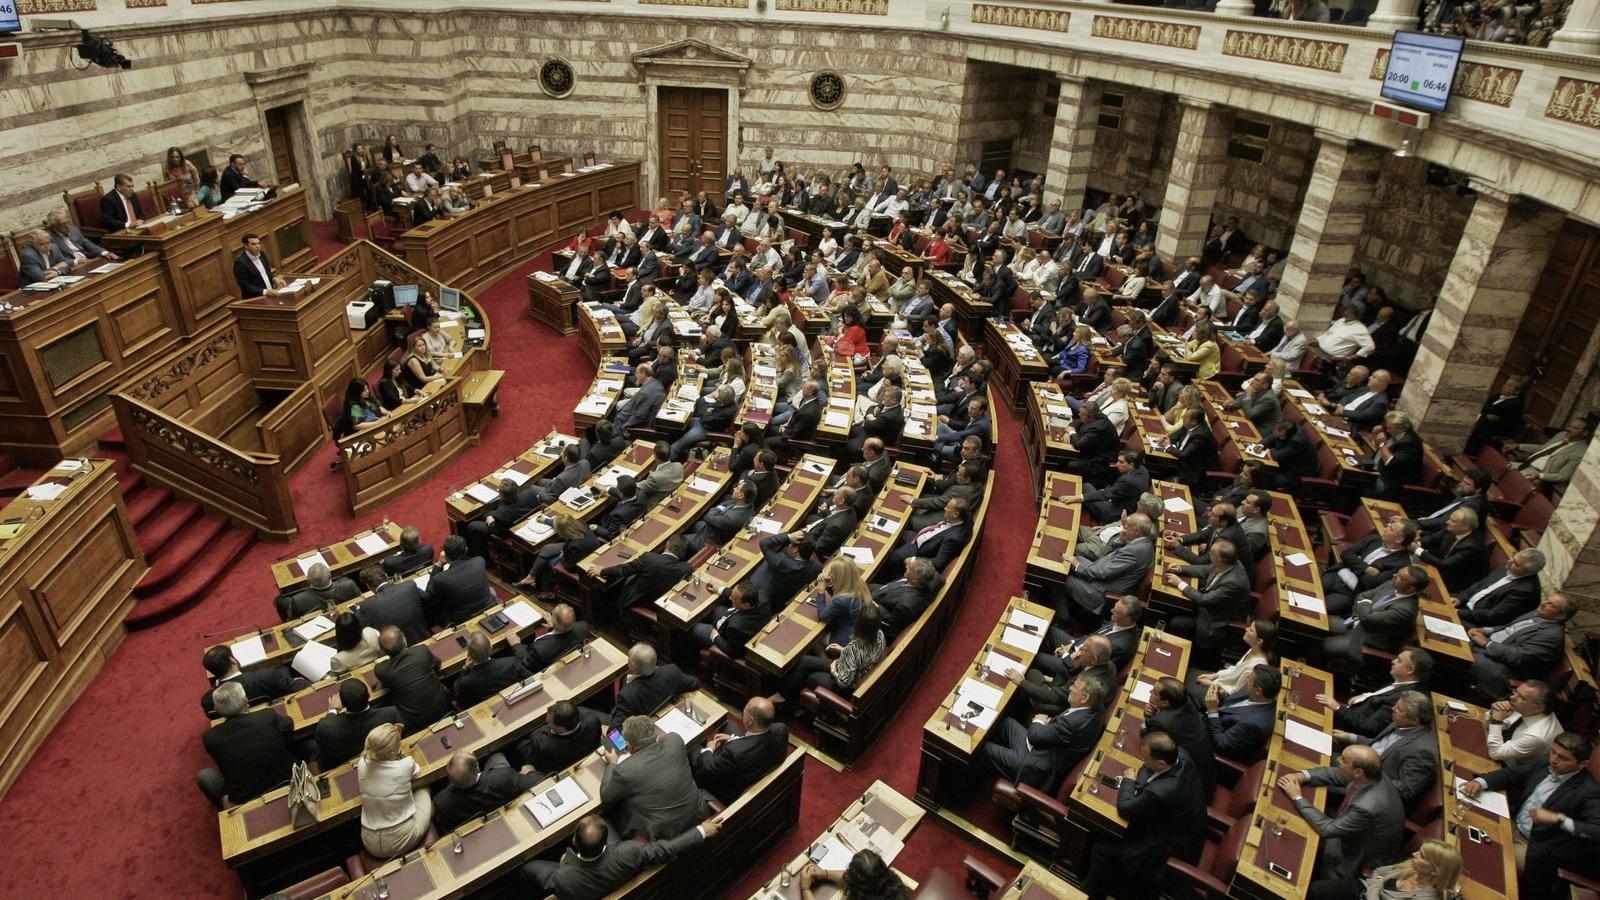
(652, 792)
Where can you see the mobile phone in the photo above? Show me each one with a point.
(1279, 871)
(445, 740)
(461, 641)
(617, 741)
(1111, 781)
(1476, 834)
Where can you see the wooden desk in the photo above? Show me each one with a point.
(1237, 427)
(255, 830)
(1178, 518)
(1333, 431)
(532, 464)
(533, 532)
(971, 309)
(921, 427)
(880, 805)
(284, 227)
(604, 393)
(598, 332)
(474, 249)
(761, 388)
(553, 300)
(840, 412)
(1016, 363)
(1044, 432)
(1035, 882)
(1437, 617)
(391, 456)
(1488, 868)
(66, 582)
(678, 408)
(345, 557)
(1055, 538)
(950, 739)
(672, 516)
(1302, 606)
(288, 340)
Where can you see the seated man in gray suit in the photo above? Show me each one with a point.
(1367, 830)
(39, 260)
(1042, 753)
(1526, 647)
(597, 864)
(1408, 747)
(1119, 570)
(1384, 617)
(664, 477)
(1258, 403)
(70, 242)
(322, 592)
(652, 792)
(1220, 597)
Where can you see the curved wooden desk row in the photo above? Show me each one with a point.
(59, 617)
(476, 248)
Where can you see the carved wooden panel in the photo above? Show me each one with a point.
(275, 357)
(23, 653)
(572, 212)
(66, 592)
(138, 322)
(619, 196)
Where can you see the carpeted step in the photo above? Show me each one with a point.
(145, 501)
(184, 552)
(200, 572)
(7, 464)
(156, 530)
(112, 440)
(17, 480)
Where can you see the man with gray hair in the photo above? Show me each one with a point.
(1093, 541)
(1408, 749)
(69, 240)
(1503, 594)
(652, 792)
(1046, 684)
(39, 260)
(251, 749)
(904, 600)
(475, 789)
(648, 685)
(1120, 570)
(322, 593)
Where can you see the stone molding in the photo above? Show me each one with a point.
(1575, 101)
(1143, 31)
(1021, 17)
(1305, 53)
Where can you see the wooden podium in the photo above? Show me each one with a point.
(290, 339)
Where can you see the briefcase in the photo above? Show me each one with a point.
(305, 797)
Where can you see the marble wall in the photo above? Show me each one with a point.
(1412, 231)
(1266, 195)
(1006, 103)
(1135, 154)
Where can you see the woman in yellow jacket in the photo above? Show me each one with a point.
(1204, 352)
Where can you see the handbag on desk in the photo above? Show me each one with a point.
(305, 797)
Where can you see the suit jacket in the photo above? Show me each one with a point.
(1561, 458)
(1372, 713)
(807, 416)
(642, 696)
(1057, 745)
(939, 548)
(1187, 725)
(1368, 831)
(1270, 335)
(1137, 350)
(113, 217)
(1219, 600)
(548, 751)
(36, 266)
(638, 410)
(1166, 817)
(1550, 846)
(498, 784)
(412, 680)
(1122, 496)
(1196, 450)
(1263, 409)
(459, 592)
(260, 686)
(1371, 410)
(830, 532)
(1531, 650)
(1411, 763)
(85, 246)
(1460, 562)
(1241, 732)
(663, 479)
(551, 646)
(1404, 465)
(652, 792)
(902, 602)
(722, 522)
(620, 516)
(1354, 558)
(402, 562)
(252, 752)
(1390, 627)
(341, 736)
(649, 574)
(1295, 456)
(310, 599)
(400, 605)
(781, 576)
(1478, 503)
(1097, 442)
(729, 770)
(578, 879)
(736, 629)
(479, 683)
(249, 280)
(541, 493)
(1501, 605)
(1119, 570)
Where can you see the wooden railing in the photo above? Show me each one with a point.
(386, 459)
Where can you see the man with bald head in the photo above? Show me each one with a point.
(729, 763)
(597, 864)
(475, 789)
(410, 676)
(1367, 829)
(486, 675)
(1047, 684)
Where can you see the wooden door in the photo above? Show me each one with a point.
(1563, 312)
(278, 145)
(693, 139)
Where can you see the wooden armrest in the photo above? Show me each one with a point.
(1218, 822)
(827, 699)
(1047, 806)
(1198, 877)
(1230, 769)
(1577, 880)
(981, 879)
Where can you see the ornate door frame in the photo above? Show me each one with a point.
(686, 63)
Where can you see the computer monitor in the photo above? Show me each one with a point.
(405, 295)
(450, 299)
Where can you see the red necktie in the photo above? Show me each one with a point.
(128, 208)
(924, 532)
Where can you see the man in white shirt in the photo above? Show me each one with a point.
(893, 205)
(1015, 229)
(1522, 727)
(1212, 297)
(418, 181)
(1346, 337)
(1293, 346)
(736, 209)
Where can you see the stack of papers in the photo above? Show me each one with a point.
(704, 485)
(836, 419)
(483, 493)
(1177, 505)
(1307, 737)
(1444, 627)
(1306, 602)
(101, 270)
(816, 468)
(373, 544)
(511, 475)
(861, 556)
(314, 629)
(48, 491)
(313, 558)
(577, 498)
(1297, 559)
(547, 277)
(1016, 637)
(249, 651)
(675, 722)
(523, 614)
(608, 478)
(314, 660)
(1141, 691)
(534, 531)
(977, 702)
(1489, 801)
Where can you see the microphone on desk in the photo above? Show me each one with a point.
(210, 634)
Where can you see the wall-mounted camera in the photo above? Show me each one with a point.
(99, 51)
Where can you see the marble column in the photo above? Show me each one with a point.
(1236, 7)
(1503, 248)
(1072, 142)
(1199, 164)
(1580, 33)
(1395, 15)
(1571, 542)
(1325, 236)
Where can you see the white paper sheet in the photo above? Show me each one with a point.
(1021, 639)
(577, 498)
(704, 485)
(608, 478)
(1176, 504)
(1444, 627)
(1306, 602)
(551, 803)
(314, 660)
(311, 559)
(878, 838)
(315, 628)
(675, 722)
(1026, 620)
(372, 544)
(512, 475)
(979, 692)
(836, 419)
(1302, 394)
(421, 581)
(1002, 664)
(249, 651)
(46, 491)
(522, 614)
(765, 525)
(862, 556)
(483, 493)
(1297, 559)
(1307, 737)
(1491, 801)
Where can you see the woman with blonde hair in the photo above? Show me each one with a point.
(1188, 398)
(1074, 357)
(417, 369)
(1115, 409)
(1430, 874)
(1204, 352)
(790, 376)
(394, 818)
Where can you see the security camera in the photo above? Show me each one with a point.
(99, 51)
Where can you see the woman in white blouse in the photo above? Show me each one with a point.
(394, 818)
(827, 246)
(357, 646)
(1261, 642)
(1116, 409)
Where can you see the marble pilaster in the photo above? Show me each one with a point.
(1328, 230)
(1571, 542)
(1072, 143)
(1580, 32)
(1503, 249)
(1199, 162)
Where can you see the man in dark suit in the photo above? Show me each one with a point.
(1526, 647)
(412, 555)
(1240, 723)
(342, 733)
(1502, 595)
(120, 207)
(251, 749)
(1268, 330)
(565, 634)
(786, 567)
(574, 469)
(1105, 506)
(1407, 747)
(723, 522)
(647, 576)
(1173, 711)
(322, 593)
(627, 510)
(1041, 753)
(878, 464)
(903, 600)
(1366, 831)
(1293, 452)
(966, 485)
(569, 733)
(1457, 551)
(652, 792)
(410, 676)
(1555, 805)
(475, 789)
(830, 528)
(806, 417)
(647, 685)
(1470, 490)
(260, 685)
(939, 543)
(1221, 596)
(734, 623)
(1096, 442)
(1368, 563)
(399, 604)
(1369, 713)
(1048, 684)
(485, 675)
(1196, 449)
(1399, 456)
(253, 271)
(1222, 524)
(884, 420)
(1165, 809)
(1384, 617)
(597, 864)
(500, 519)
(1139, 347)
(730, 763)
(235, 177)
(459, 588)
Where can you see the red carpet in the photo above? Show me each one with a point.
(107, 807)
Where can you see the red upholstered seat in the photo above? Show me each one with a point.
(1212, 875)
(84, 208)
(9, 271)
(317, 885)
(1228, 805)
